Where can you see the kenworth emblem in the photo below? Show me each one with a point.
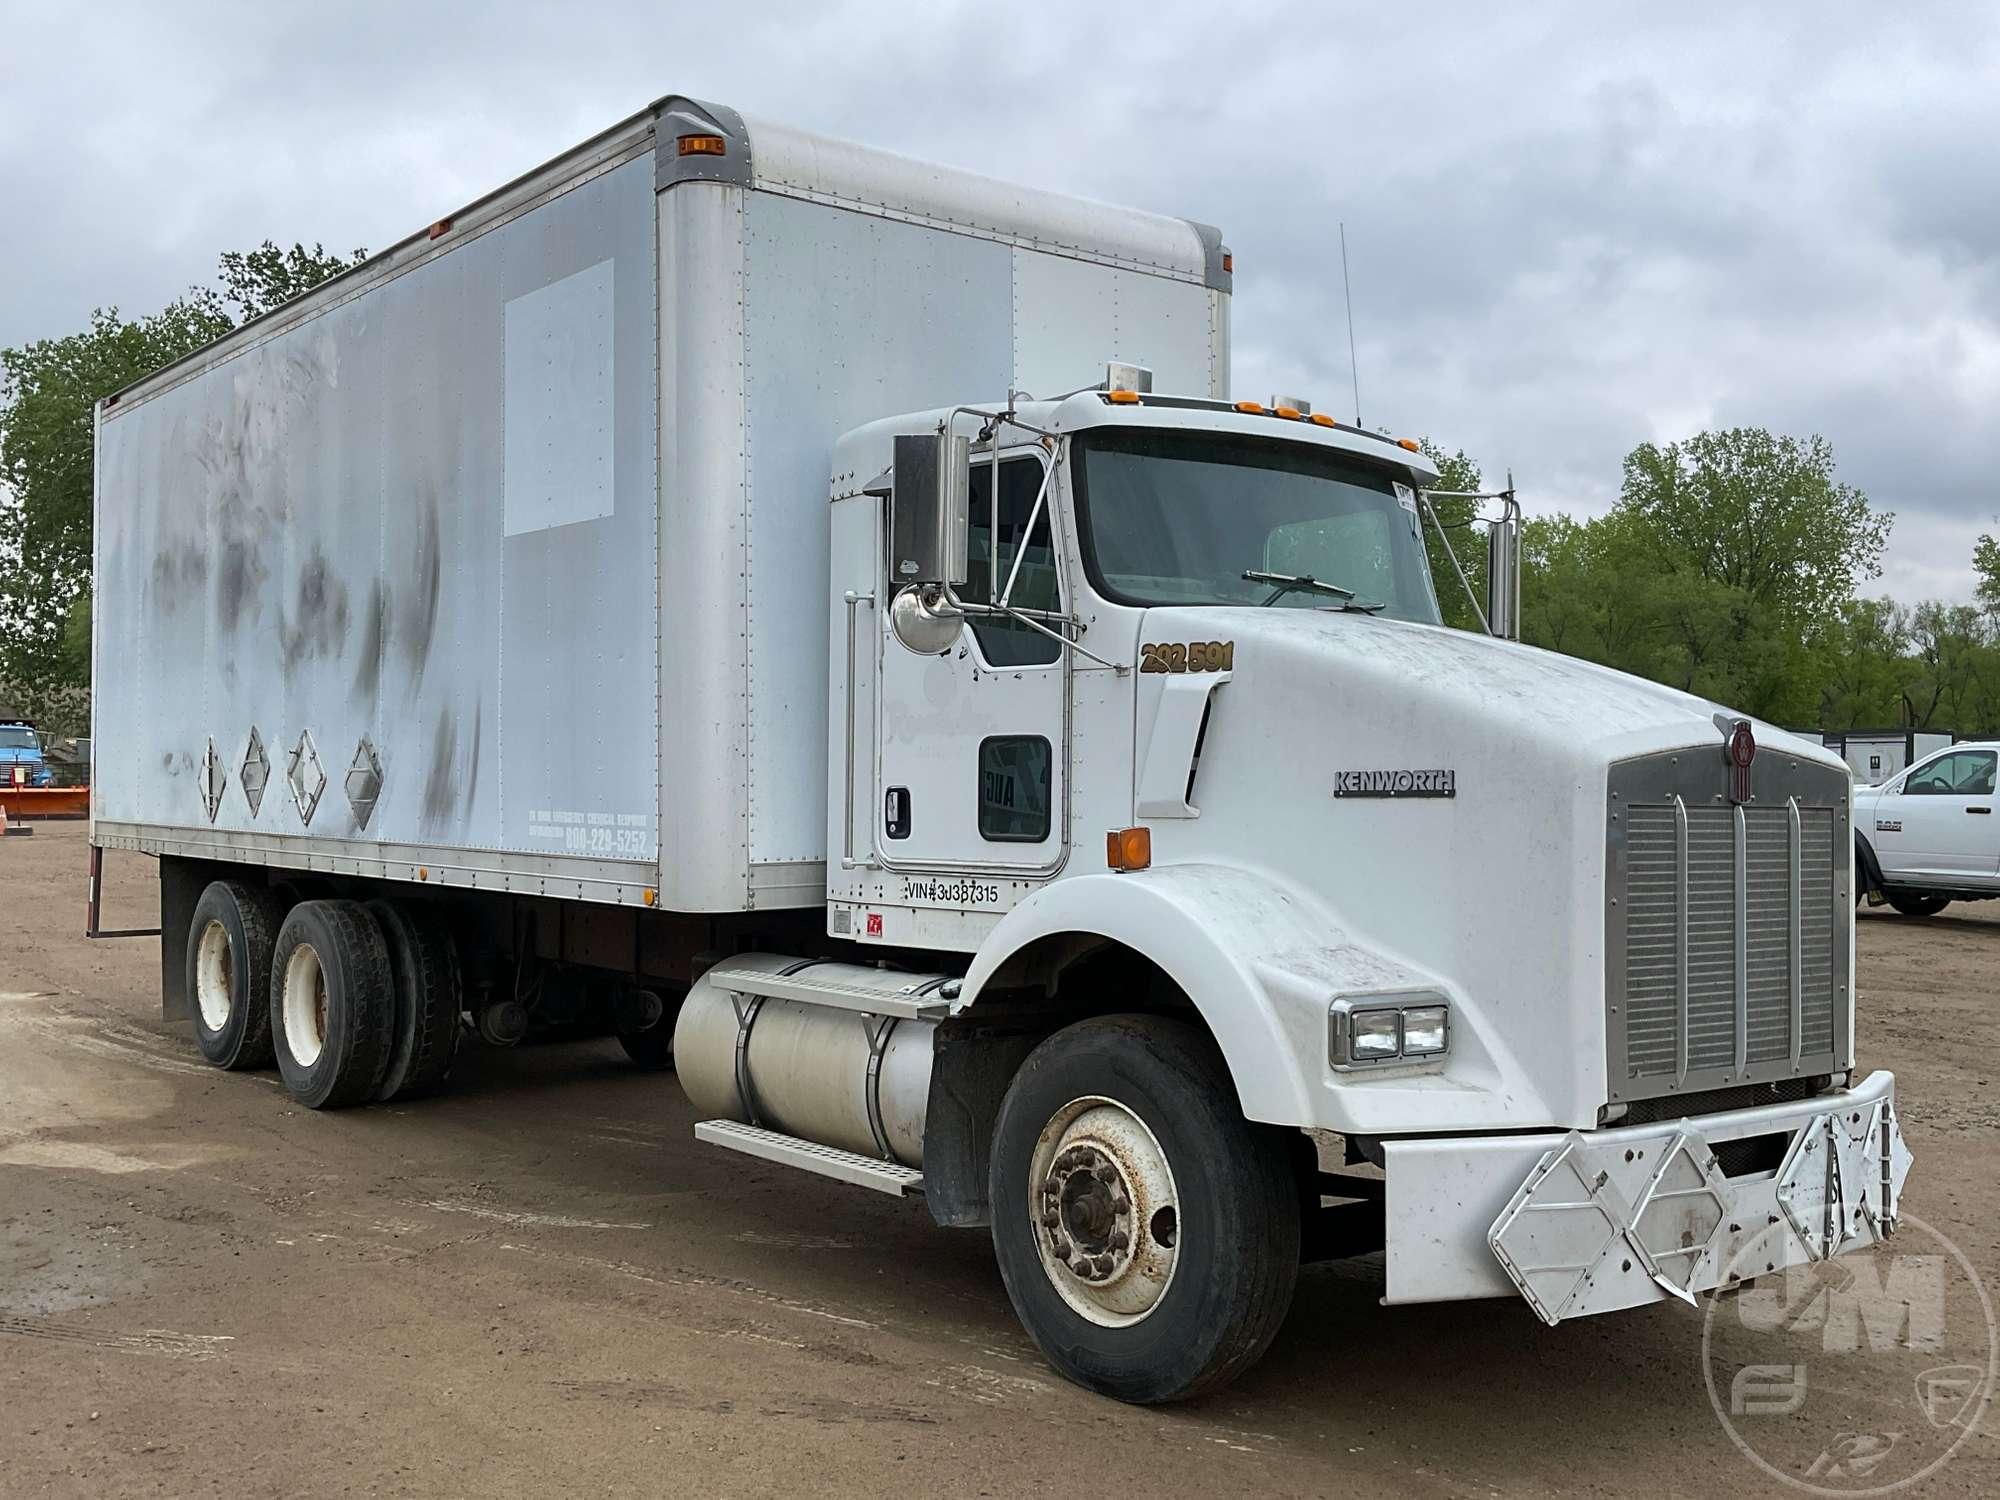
(1739, 748)
(1440, 783)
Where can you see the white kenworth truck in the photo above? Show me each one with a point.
(651, 599)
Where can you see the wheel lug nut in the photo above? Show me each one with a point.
(1120, 1204)
(1119, 1239)
(1107, 1174)
(1102, 1265)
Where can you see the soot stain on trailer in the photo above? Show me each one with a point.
(446, 794)
(368, 666)
(419, 608)
(318, 625)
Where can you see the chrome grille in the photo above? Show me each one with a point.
(1726, 926)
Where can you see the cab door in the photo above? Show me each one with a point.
(1948, 829)
(970, 773)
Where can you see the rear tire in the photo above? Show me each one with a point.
(230, 941)
(429, 995)
(332, 1003)
(1919, 906)
(1148, 1234)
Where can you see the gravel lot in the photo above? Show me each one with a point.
(540, 1284)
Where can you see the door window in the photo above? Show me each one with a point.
(1964, 773)
(1004, 642)
(1014, 789)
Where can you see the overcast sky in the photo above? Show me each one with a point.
(1573, 228)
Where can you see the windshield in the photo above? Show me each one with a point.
(1178, 517)
(14, 737)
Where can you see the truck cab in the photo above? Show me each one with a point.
(22, 763)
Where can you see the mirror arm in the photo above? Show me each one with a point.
(1027, 532)
(1029, 619)
(1424, 496)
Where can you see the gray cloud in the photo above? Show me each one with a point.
(1573, 228)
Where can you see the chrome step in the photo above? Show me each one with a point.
(917, 999)
(808, 1156)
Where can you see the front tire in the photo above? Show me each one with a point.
(332, 1003)
(1919, 906)
(230, 941)
(1147, 1233)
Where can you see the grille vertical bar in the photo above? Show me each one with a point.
(1797, 1031)
(1681, 939)
(1742, 833)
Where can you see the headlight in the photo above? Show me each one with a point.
(1425, 1030)
(1363, 1032)
(1377, 1035)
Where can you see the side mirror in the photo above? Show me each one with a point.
(1503, 574)
(927, 509)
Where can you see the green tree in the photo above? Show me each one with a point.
(1986, 563)
(48, 391)
(1759, 513)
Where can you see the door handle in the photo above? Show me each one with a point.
(1982, 812)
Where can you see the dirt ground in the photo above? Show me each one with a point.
(539, 1284)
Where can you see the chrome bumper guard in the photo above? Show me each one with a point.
(1618, 1218)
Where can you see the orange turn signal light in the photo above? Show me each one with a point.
(1129, 848)
(1250, 408)
(1122, 398)
(703, 145)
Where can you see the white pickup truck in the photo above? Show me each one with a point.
(1928, 837)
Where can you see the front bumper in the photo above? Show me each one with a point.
(1592, 1221)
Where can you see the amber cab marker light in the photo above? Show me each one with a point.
(1129, 848)
(1290, 413)
(1320, 419)
(1122, 398)
(703, 145)
(1410, 443)
(1250, 408)
(440, 229)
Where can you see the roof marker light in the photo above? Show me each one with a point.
(703, 145)
(1320, 419)
(1410, 443)
(1122, 398)
(1250, 408)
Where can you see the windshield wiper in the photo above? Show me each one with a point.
(1290, 583)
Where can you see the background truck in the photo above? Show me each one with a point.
(652, 598)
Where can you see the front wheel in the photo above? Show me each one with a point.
(1919, 906)
(1147, 1233)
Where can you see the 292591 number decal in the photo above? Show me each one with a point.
(1195, 656)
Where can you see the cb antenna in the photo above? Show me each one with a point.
(1347, 291)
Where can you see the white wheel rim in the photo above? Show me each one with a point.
(213, 968)
(1104, 1212)
(305, 1006)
